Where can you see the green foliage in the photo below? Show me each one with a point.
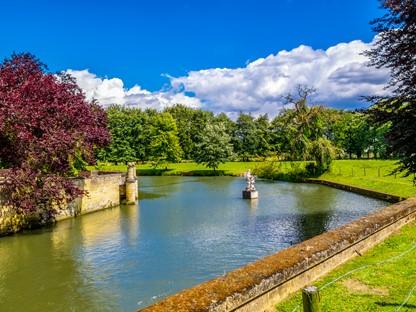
(190, 123)
(17, 222)
(302, 131)
(251, 136)
(165, 142)
(129, 129)
(245, 138)
(215, 147)
(299, 132)
(295, 171)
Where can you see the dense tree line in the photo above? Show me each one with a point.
(298, 132)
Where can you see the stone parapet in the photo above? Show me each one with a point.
(359, 190)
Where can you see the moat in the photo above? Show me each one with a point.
(185, 230)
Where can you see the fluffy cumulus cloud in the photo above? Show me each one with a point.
(340, 75)
(111, 91)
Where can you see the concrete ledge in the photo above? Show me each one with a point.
(359, 190)
(261, 284)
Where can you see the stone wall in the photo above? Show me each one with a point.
(359, 190)
(104, 190)
(261, 284)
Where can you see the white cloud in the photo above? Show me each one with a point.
(106, 91)
(111, 91)
(339, 74)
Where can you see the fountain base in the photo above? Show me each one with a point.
(250, 194)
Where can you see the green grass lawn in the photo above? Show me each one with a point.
(370, 174)
(380, 287)
(184, 168)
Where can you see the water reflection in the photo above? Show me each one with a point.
(43, 275)
(192, 229)
(315, 207)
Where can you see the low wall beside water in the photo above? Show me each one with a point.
(358, 190)
(104, 190)
(260, 285)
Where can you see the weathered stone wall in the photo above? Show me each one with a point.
(359, 190)
(260, 285)
(105, 190)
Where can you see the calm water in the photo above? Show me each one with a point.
(185, 230)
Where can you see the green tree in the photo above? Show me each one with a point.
(304, 129)
(183, 116)
(165, 142)
(378, 144)
(264, 136)
(129, 129)
(245, 137)
(228, 123)
(190, 123)
(120, 148)
(357, 134)
(215, 147)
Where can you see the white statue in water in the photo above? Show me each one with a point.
(250, 182)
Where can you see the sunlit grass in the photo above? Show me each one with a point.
(184, 168)
(382, 287)
(371, 174)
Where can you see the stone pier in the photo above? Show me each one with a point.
(132, 191)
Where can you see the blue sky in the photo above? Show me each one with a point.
(155, 53)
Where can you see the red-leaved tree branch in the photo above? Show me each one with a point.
(48, 130)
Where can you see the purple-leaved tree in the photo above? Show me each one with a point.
(48, 131)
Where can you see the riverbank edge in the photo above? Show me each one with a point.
(258, 286)
(104, 190)
(358, 190)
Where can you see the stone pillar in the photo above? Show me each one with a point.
(132, 190)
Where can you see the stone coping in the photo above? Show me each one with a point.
(359, 190)
(99, 174)
(295, 265)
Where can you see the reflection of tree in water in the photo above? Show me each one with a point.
(315, 209)
(43, 273)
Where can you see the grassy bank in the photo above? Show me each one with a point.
(185, 168)
(371, 174)
(378, 287)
